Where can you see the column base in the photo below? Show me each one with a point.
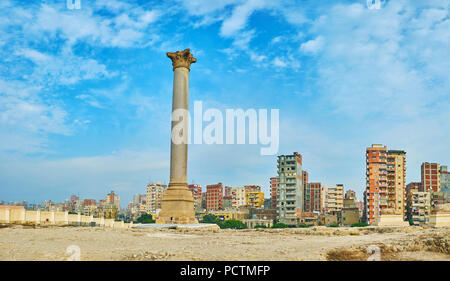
(177, 206)
(176, 220)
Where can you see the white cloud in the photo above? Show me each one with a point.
(65, 69)
(92, 101)
(205, 7)
(313, 46)
(278, 62)
(126, 28)
(294, 15)
(276, 39)
(373, 62)
(26, 120)
(256, 57)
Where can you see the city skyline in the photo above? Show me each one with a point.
(267, 194)
(88, 109)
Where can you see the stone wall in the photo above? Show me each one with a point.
(391, 220)
(15, 215)
(440, 219)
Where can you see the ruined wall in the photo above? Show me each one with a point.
(12, 214)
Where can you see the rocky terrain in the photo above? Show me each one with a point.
(316, 243)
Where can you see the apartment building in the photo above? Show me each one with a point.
(252, 188)
(154, 193)
(350, 195)
(350, 211)
(323, 192)
(418, 207)
(334, 198)
(238, 197)
(305, 175)
(396, 181)
(154, 197)
(113, 199)
(197, 196)
(290, 196)
(254, 199)
(227, 202)
(376, 182)
(414, 185)
(444, 176)
(430, 176)
(214, 197)
(312, 197)
(273, 190)
(228, 190)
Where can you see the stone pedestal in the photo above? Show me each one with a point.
(391, 220)
(177, 204)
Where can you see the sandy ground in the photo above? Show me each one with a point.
(318, 243)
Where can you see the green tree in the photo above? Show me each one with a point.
(280, 225)
(359, 224)
(209, 218)
(260, 226)
(146, 218)
(303, 226)
(233, 224)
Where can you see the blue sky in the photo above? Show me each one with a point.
(85, 95)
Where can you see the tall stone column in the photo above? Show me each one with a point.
(177, 204)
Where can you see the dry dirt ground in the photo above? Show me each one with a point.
(317, 243)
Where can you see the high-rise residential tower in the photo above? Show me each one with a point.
(113, 199)
(154, 197)
(444, 176)
(396, 181)
(376, 182)
(290, 196)
(305, 178)
(334, 199)
(273, 191)
(197, 196)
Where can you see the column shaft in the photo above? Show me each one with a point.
(179, 151)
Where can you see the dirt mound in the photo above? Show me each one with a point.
(434, 243)
(394, 251)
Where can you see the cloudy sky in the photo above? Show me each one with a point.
(85, 95)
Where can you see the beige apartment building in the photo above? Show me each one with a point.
(419, 207)
(350, 211)
(238, 196)
(396, 182)
(334, 198)
(154, 196)
(113, 199)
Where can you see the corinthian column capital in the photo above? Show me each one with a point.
(182, 59)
